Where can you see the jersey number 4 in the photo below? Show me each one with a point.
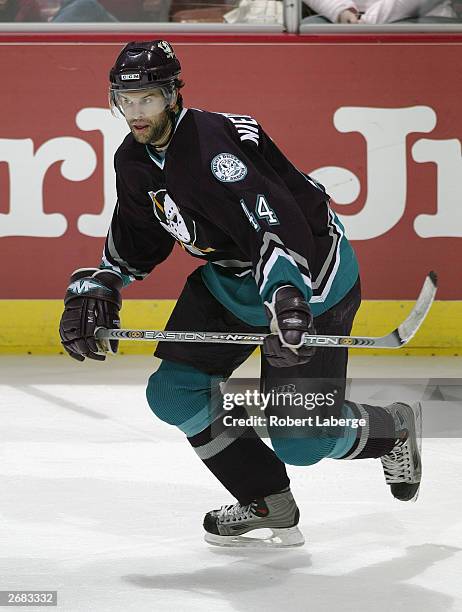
(262, 210)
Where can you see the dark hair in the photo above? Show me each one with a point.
(179, 84)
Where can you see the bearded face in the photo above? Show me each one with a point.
(150, 129)
(146, 112)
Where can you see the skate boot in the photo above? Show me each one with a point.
(403, 465)
(277, 513)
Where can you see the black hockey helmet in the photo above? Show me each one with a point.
(145, 64)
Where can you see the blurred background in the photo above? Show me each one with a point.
(100, 500)
(363, 95)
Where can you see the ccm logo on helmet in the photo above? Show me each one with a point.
(134, 76)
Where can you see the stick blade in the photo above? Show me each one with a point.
(411, 324)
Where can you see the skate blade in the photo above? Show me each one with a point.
(279, 538)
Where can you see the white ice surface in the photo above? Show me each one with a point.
(104, 503)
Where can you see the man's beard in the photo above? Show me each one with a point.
(154, 132)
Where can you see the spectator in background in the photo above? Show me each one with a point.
(19, 10)
(82, 11)
(379, 11)
(113, 10)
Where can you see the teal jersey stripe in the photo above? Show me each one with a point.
(344, 279)
(238, 294)
(284, 272)
(241, 297)
(127, 280)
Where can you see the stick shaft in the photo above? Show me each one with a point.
(395, 339)
(222, 338)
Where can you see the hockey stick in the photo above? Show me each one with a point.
(395, 339)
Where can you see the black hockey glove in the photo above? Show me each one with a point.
(290, 317)
(92, 300)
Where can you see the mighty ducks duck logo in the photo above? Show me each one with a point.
(183, 229)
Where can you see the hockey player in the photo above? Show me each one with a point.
(276, 258)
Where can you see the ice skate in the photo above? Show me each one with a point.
(277, 513)
(403, 465)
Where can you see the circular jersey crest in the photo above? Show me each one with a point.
(228, 168)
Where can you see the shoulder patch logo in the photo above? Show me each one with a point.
(228, 168)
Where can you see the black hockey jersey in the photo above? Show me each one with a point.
(228, 195)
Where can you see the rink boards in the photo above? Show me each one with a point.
(375, 118)
(32, 326)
